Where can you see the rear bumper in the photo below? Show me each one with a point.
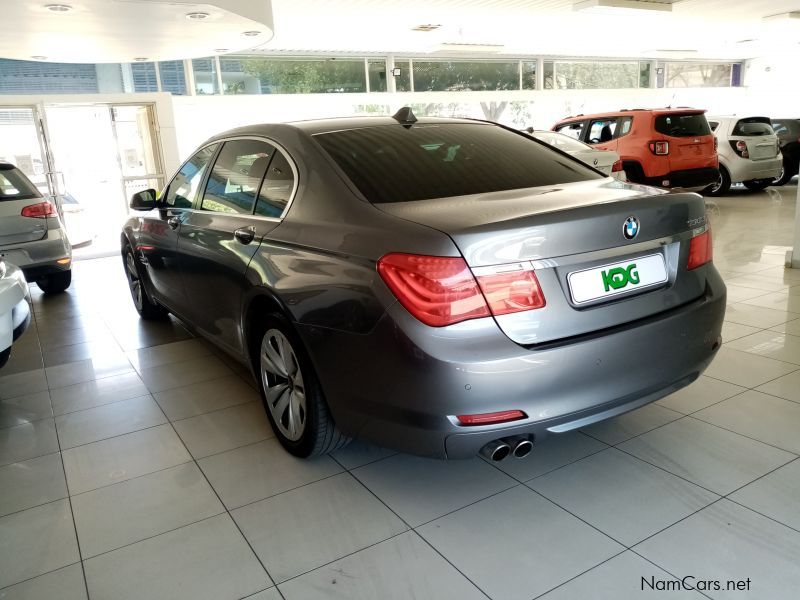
(402, 384)
(39, 258)
(687, 179)
(743, 169)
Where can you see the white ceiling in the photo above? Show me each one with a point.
(121, 30)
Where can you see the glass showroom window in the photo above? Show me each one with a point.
(144, 77)
(456, 76)
(173, 77)
(402, 82)
(377, 75)
(205, 76)
(252, 75)
(32, 77)
(596, 75)
(698, 74)
(528, 75)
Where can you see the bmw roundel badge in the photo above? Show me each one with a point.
(630, 229)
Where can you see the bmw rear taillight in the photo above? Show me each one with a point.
(39, 211)
(512, 291)
(659, 148)
(616, 167)
(442, 290)
(740, 147)
(701, 250)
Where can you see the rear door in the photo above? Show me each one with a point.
(691, 143)
(247, 191)
(758, 136)
(16, 193)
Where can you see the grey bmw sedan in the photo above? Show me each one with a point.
(442, 287)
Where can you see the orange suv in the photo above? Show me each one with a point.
(665, 147)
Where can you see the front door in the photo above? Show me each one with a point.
(247, 189)
(157, 239)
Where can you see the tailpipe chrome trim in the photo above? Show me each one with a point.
(496, 450)
(521, 445)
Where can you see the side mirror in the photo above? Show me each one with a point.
(144, 200)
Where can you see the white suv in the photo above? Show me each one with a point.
(749, 153)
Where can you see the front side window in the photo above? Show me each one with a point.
(573, 130)
(393, 163)
(183, 188)
(236, 177)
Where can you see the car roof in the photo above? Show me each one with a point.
(315, 126)
(628, 111)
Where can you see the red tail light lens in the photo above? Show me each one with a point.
(39, 211)
(701, 250)
(740, 147)
(490, 418)
(659, 148)
(511, 292)
(617, 167)
(437, 290)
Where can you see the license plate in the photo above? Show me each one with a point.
(617, 278)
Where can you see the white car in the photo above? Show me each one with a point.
(605, 161)
(749, 153)
(15, 314)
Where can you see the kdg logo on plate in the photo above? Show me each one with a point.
(619, 277)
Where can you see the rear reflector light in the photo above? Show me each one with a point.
(701, 250)
(442, 290)
(511, 292)
(716, 144)
(437, 290)
(490, 418)
(39, 211)
(616, 167)
(659, 148)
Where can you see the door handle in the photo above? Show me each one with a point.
(173, 222)
(245, 234)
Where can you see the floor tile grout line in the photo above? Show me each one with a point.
(225, 507)
(663, 529)
(666, 571)
(562, 584)
(417, 533)
(743, 435)
(7, 587)
(71, 510)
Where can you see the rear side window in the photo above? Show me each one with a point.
(573, 130)
(682, 125)
(398, 164)
(15, 186)
(755, 126)
(277, 187)
(236, 176)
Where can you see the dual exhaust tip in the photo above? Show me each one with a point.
(519, 445)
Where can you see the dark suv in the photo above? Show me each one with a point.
(788, 132)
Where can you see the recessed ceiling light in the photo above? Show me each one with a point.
(426, 27)
(59, 8)
(141, 59)
(251, 33)
(197, 16)
(37, 57)
(622, 6)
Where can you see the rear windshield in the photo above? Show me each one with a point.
(682, 125)
(399, 164)
(15, 186)
(753, 127)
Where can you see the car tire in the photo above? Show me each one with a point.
(142, 302)
(757, 185)
(4, 356)
(291, 391)
(785, 176)
(55, 283)
(721, 187)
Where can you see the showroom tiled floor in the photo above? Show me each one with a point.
(136, 462)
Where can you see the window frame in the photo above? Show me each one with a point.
(607, 120)
(584, 129)
(196, 205)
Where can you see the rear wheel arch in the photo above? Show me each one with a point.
(633, 170)
(256, 312)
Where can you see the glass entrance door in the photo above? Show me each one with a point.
(22, 144)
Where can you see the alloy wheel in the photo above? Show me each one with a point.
(716, 187)
(134, 283)
(283, 384)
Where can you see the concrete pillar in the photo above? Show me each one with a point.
(793, 256)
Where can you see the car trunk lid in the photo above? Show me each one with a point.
(757, 134)
(691, 143)
(17, 192)
(573, 234)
